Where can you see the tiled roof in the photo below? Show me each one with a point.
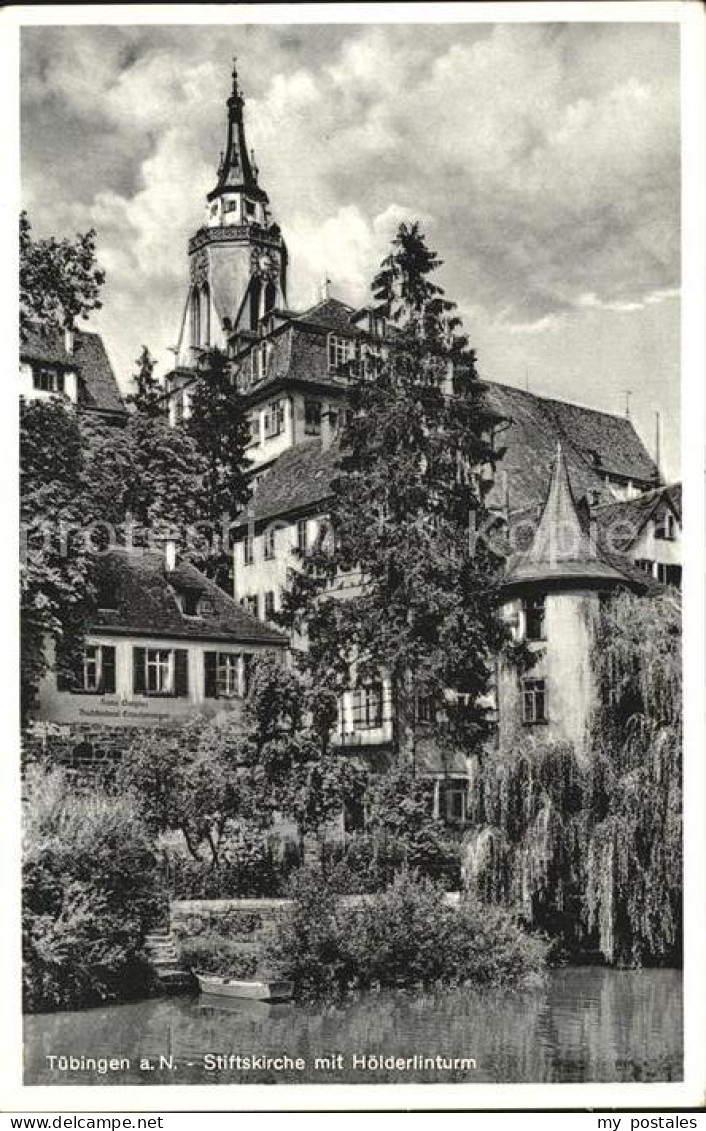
(144, 595)
(300, 479)
(622, 520)
(98, 388)
(332, 314)
(595, 444)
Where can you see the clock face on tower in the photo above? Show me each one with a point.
(264, 264)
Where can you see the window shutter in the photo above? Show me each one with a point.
(138, 671)
(108, 665)
(181, 672)
(210, 665)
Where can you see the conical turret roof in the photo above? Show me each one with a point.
(561, 550)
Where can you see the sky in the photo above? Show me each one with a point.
(543, 161)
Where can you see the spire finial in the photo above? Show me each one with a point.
(255, 169)
(234, 73)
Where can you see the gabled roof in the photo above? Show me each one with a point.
(144, 594)
(595, 444)
(332, 314)
(98, 388)
(619, 523)
(561, 551)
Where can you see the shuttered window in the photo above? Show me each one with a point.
(160, 671)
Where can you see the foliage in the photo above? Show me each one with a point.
(591, 849)
(148, 398)
(146, 479)
(219, 426)
(60, 280)
(217, 954)
(89, 894)
(58, 564)
(406, 934)
(407, 504)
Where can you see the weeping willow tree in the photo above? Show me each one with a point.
(592, 851)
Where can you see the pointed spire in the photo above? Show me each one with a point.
(236, 171)
(561, 549)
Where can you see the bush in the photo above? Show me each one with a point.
(90, 893)
(406, 934)
(369, 862)
(215, 953)
(248, 868)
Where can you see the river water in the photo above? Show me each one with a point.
(583, 1024)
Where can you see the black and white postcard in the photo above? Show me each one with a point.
(354, 692)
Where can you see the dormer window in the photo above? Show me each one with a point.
(190, 602)
(249, 208)
(665, 527)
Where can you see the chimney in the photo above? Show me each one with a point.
(170, 555)
(326, 290)
(69, 341)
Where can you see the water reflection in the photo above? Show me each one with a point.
(585, 1024)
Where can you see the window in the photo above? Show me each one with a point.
(645, 564)
(248, 550)
(99, 669)
(312, 418)
(534, 701)
(269, 542)
(247, 671)
(261, 355)
(47, 380)
(665, 527)
(158, 671)
(274, 419)
(269, 605)
(190, 601)
(222, 675)
(252, 604)
(249, 208)
(231, 206)
(669, 574)
(302, 535)
(367, 707)
(534, 610)
(340, 351)
(455, 798)
(425, 708)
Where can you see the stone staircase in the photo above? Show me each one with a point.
(164, 959)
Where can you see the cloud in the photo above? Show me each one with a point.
(543, 159)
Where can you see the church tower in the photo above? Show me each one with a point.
(238, 258)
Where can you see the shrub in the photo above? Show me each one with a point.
(215, 953)
(90, 893)
(406, 934)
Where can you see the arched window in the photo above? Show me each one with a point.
(205, 315)
(255, 288)
(195, 318)
(270, 296)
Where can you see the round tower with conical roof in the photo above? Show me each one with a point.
(551, 599)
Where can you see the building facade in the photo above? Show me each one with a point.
(166, 644)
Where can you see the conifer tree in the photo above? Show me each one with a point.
(407, 504)
(219, 426)
(148, 397)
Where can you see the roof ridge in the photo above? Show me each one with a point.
(557, 400)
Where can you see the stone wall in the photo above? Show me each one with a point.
(91, 749)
